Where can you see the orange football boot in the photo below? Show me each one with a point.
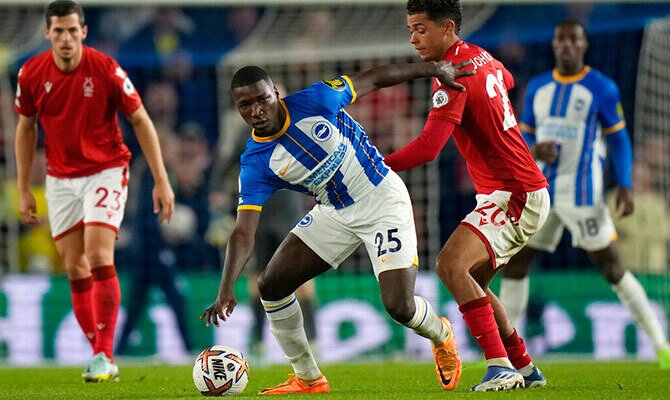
(297, 385)
(448, 365)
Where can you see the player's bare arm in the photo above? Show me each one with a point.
(147, 137)
(26, 139)
(624, 202)
(238, 252)
(390, 75)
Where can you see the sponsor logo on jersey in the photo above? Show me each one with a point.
(47, 86)
(440, 98)
(335, 83)
(327, 169)
(322, 131)
(306, 221)
(88, 86)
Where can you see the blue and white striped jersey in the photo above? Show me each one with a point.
(320, 150)
(575, 112)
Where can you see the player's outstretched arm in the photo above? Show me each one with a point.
(238, 252)
(147, 137)
(393, 74)
(26, 139)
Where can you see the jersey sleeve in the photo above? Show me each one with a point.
(254, 186)
(128, 98)
(448, 103)
(328, 96)
(610, 112)
(24, 103)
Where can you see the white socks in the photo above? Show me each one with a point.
(286, 325)
(426, 323)
(632, 295)
(514, 294)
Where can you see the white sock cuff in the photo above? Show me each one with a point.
(421, 312)
(281, 309)
(626, 281)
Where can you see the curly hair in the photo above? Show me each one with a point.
(248, 76)
(438, 10)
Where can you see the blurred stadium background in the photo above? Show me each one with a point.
(181, 58)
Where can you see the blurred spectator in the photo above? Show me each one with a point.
(37, 251)
(161, 101)
(168, 31)
(160, 252)
(642, 249)
(118, 24)
(241, 23)
(195, 95)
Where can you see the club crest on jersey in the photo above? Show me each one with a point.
(322, 131)
(335, 83)
(47, 86)
(440, 98)
(306, 221)
(88, 86)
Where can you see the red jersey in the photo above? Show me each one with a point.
(78, 111)
(486, 132)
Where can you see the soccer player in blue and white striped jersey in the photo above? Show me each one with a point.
(571, 115)
(307, 142)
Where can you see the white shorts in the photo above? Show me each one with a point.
(591, 228)
(98, 199)
(383, 221)
(505, 221)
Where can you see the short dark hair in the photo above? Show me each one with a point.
(249, 75)
(572, 22)
(61, 8)
(438, 10)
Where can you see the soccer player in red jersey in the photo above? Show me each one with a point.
(76, 92)
(512, 199)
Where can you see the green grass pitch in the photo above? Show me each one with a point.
(567, 381)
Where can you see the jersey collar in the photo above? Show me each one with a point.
(571, 78)
(453, 48)
(264, 139)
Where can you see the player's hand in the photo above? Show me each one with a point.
(163, 201)
(447, 73)
(624, 202)
(28, 208)
(221, 309)
(546, 151)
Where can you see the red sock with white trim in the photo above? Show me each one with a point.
(82, 306)
(478, 316)
(516, 350)
(106, 301)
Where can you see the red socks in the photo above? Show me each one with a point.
(106, 301)
(516, 351)
(82, 305)
(478, 316)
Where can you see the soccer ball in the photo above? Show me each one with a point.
(220, 371)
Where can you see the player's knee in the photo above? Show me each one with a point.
(270, 289)
(446, 269)
(98, 256)
(401, 310)
(613, 273)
